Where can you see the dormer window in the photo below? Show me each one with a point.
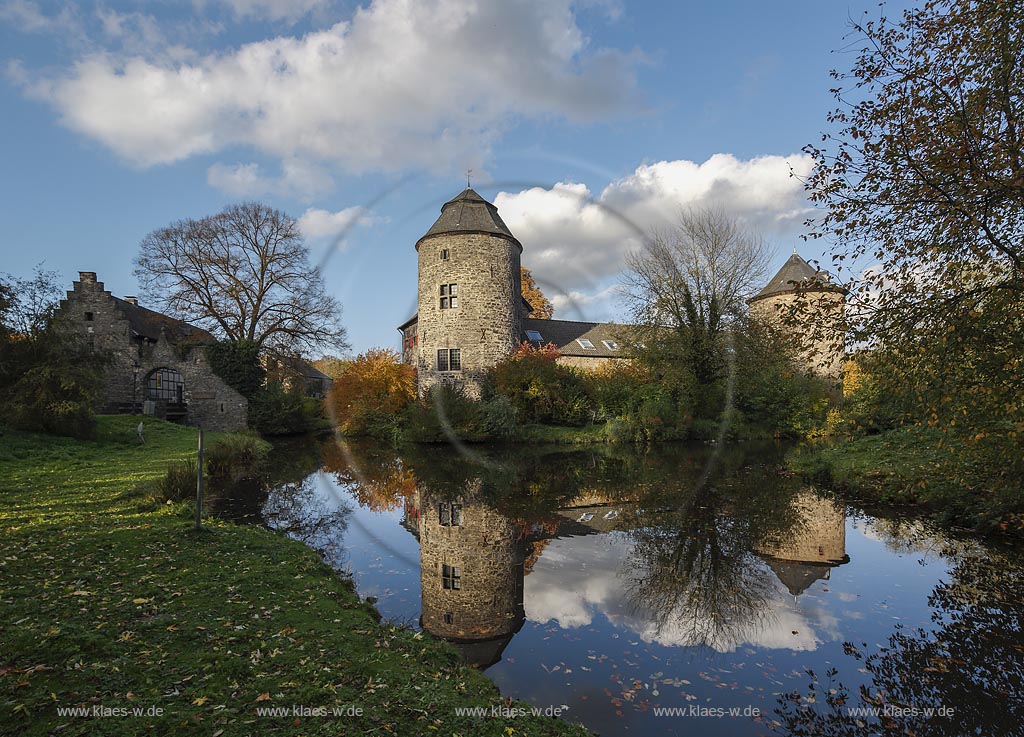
(449, 296)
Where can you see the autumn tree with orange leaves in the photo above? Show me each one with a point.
(371, 392)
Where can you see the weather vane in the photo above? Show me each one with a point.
(469, 174)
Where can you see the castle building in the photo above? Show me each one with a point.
(471, 570)
(471, 312)
(156, 364)
(815, 545)
(801, 294)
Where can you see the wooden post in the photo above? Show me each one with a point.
(199, 483)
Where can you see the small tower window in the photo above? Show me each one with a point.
(448, 618)
(449, 296)
(444, 254)
(449, 359)
(451, 577)
(450, 514)
(88, 317)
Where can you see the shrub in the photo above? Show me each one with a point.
(179, 483)
(614, 387)
(539, 388)
(238, 364)
(276, 411)
(446, 411)
(371, 393)
(234, 455)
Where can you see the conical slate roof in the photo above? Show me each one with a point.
(469, 213)
(795, 272)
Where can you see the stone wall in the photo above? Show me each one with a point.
(819, 536)
(94, 314)
(487, 323)
(489, 552)
(586, 363)
(821, 348)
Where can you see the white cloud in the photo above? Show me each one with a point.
(402, 84)
(298, 177)
(275, 9)
(575, 241)
(579, 577)
(317, 224)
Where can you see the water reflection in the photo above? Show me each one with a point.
(617, 581)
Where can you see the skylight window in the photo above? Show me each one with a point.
(534, 335)
(586, 344)
(610, 345)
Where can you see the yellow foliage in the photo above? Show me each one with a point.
(375, 385)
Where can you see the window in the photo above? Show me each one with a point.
(586, 344)
(451, 577)
(450, 514)
(88, 317)
(444, 254)
(449, 359)
(610, 345)
(449, 296)
(534, 335)
(165, 383)
(448, 618)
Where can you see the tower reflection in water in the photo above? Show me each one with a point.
(473, 558)
(471, 571)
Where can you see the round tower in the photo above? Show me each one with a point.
(471, 572)
(470, 305)
(802, 302)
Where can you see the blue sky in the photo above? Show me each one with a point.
(587, 123)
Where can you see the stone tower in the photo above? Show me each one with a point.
(471, 572)
(804, 303)
(816, 543)
(470, 305)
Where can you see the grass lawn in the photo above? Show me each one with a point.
(916, 466)
(110, 602)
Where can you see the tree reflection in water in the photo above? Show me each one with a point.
(697, 567)
(968, 669)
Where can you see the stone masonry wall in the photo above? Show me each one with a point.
(489, 553)
(208, 399)
(486, 325)
(818, 537)
(821, 347)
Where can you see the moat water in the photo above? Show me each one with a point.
(674, 591)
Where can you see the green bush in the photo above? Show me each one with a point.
(179, 483)
(541, 390)
(446, 411)
(276, 411)
(238, 364)
(234, 455)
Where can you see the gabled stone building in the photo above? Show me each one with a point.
(471, 312)
(157, 365)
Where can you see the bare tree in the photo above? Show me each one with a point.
(244, 274)
(694, 278)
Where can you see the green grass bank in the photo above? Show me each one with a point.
(112, 605)
(917, 467)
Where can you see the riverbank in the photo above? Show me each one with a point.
(112, 604)
(915, 467)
